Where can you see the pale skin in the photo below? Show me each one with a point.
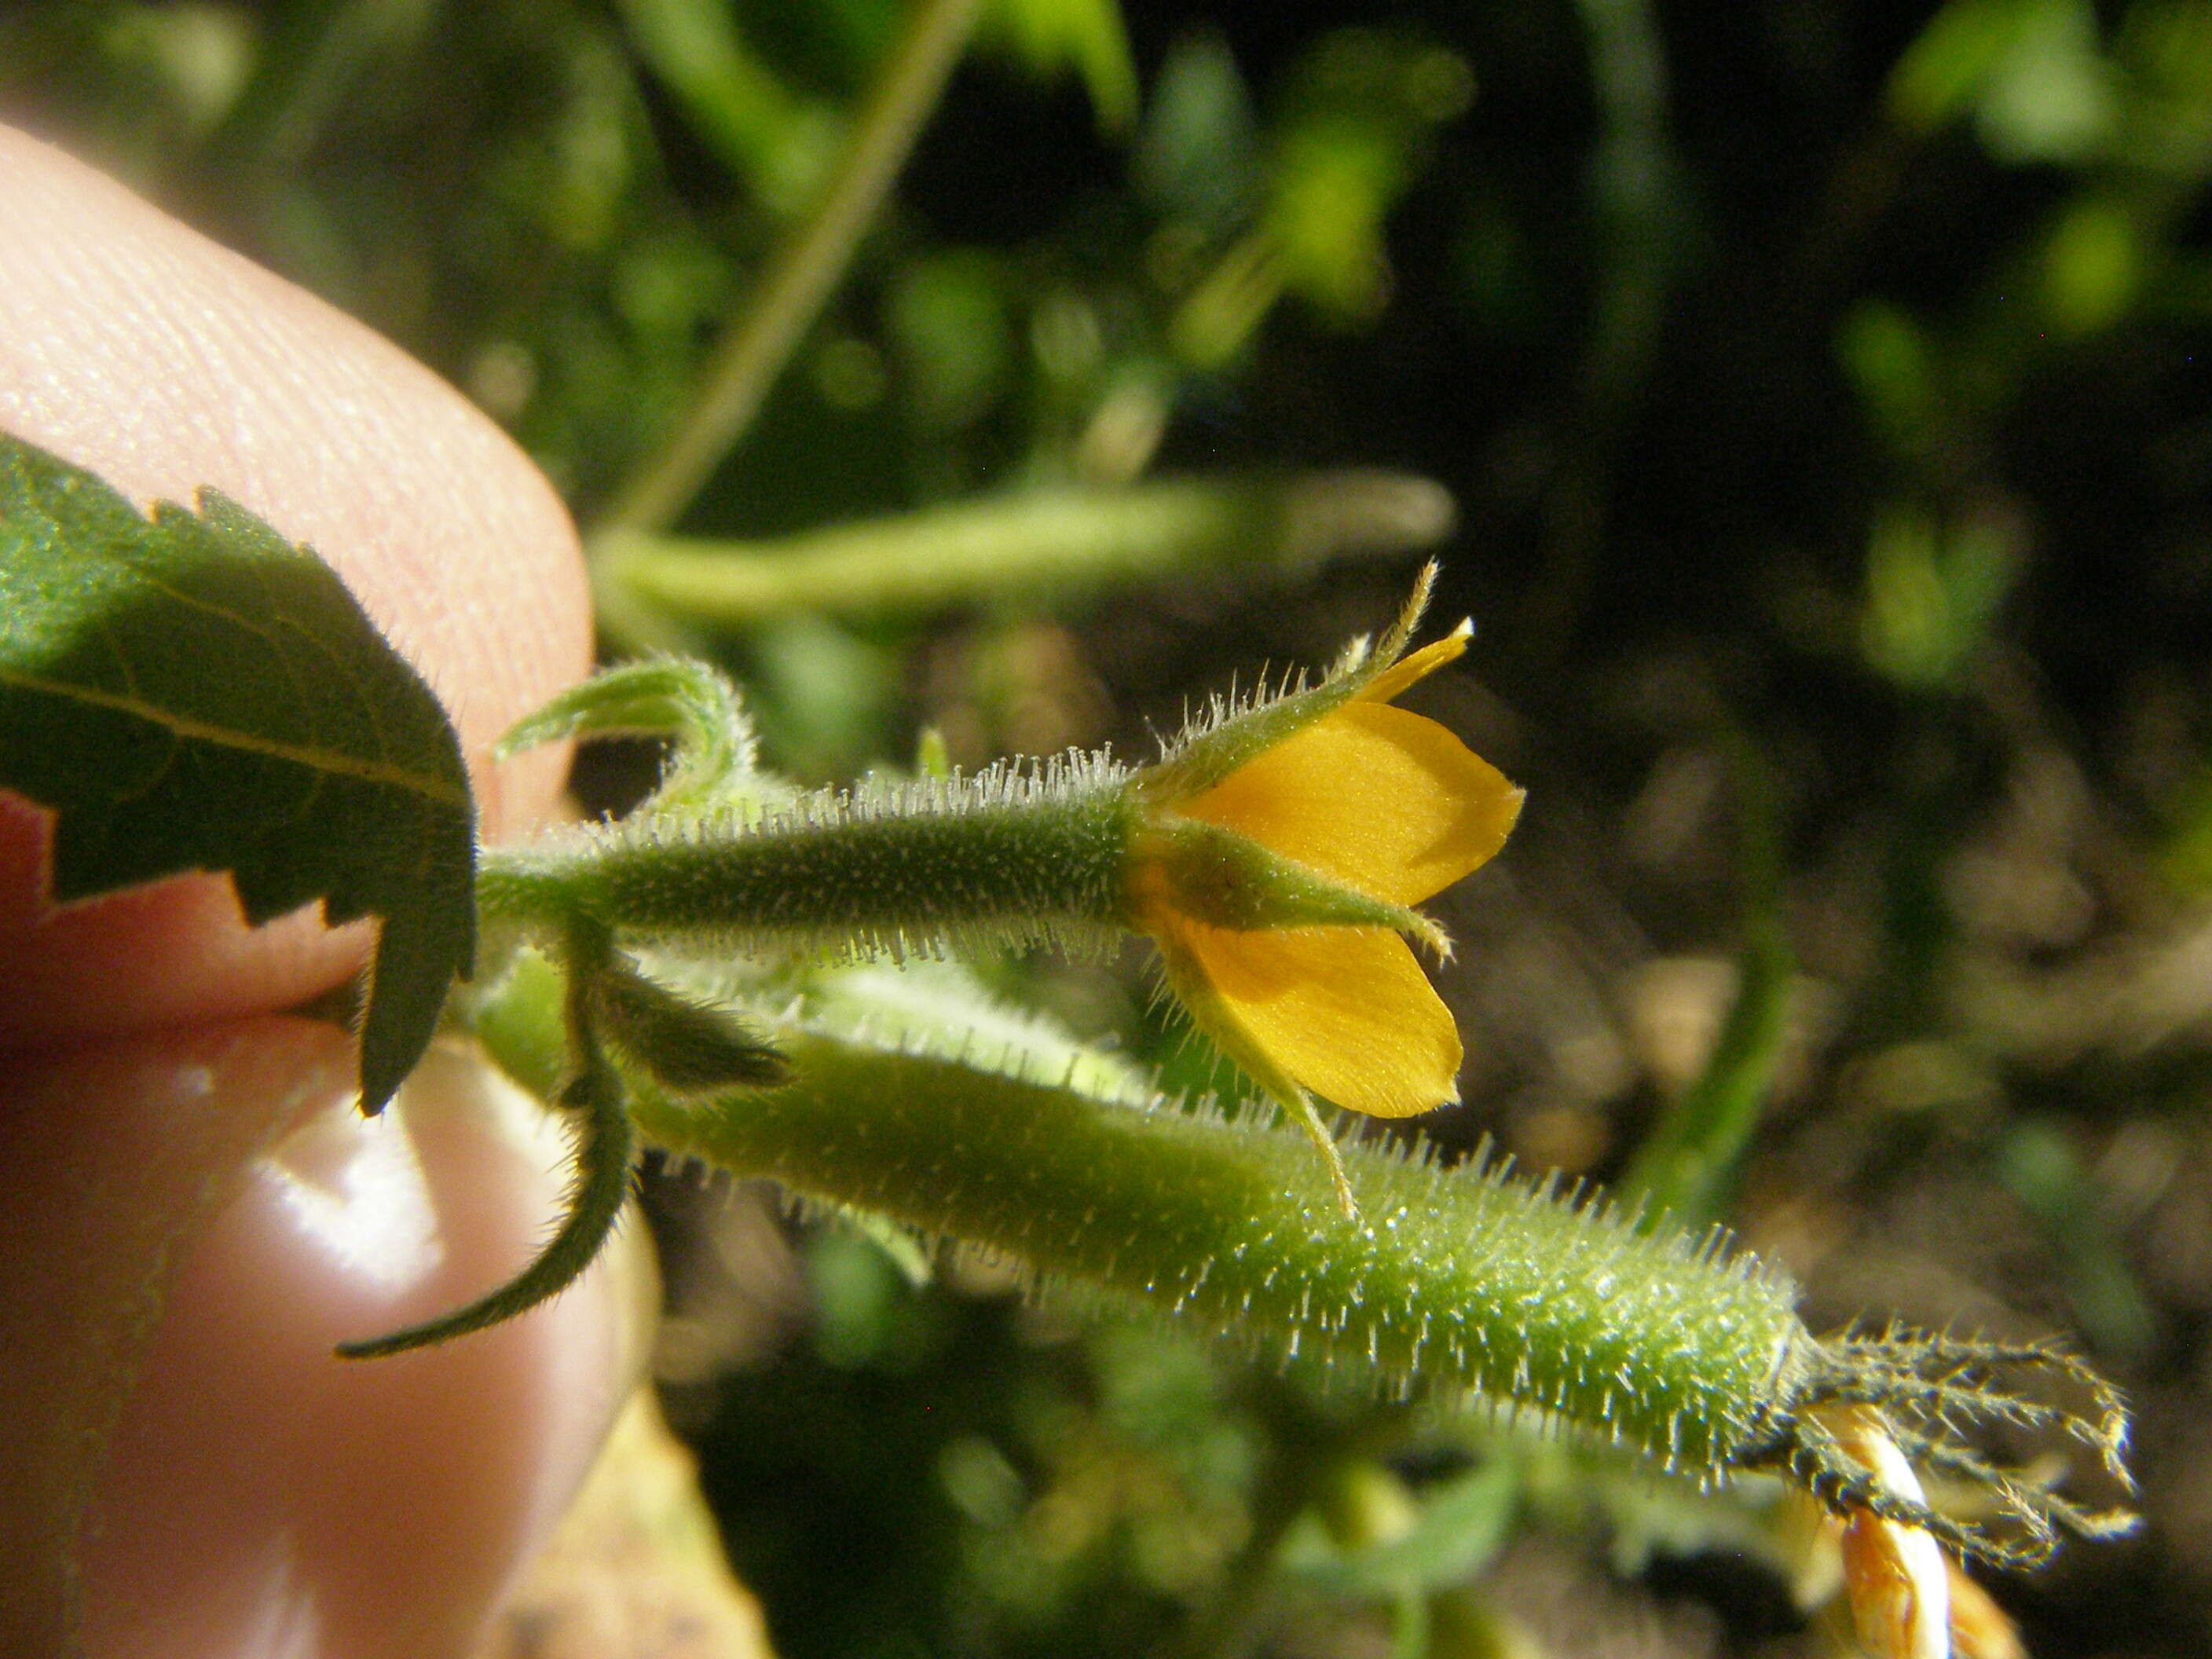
(193, 1211)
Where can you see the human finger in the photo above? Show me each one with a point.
(134, 347)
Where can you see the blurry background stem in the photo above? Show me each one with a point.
(1041, 543)
(805, 268)
(1635, 194)
(1687, 1168)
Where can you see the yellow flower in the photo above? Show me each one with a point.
(1381, 806)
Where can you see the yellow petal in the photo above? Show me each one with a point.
(1344, 1011)
(1389, 803)
(1420, 666)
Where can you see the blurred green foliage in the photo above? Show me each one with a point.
(1823, 383)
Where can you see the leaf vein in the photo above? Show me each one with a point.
(182, 726)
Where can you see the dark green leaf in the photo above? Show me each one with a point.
(193, 692)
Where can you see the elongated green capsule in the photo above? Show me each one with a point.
(909, 1099)
(1236, 854)
(1453, 1281)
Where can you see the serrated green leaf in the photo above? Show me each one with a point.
(191, 692)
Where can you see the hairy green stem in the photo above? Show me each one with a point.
(1004, 858)
(805, 271)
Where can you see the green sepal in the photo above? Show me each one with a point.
(1237, 731)
(1225, 879)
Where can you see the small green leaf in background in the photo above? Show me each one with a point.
(1086, 36)
(1933, 593)
(1452, 1533)
(780, 142)
(191, 692)
(2030, 72)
